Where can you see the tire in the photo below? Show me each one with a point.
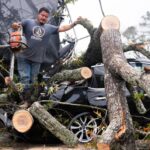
(84, 126)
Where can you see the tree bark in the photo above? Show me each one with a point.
(136, 97)
(55, 127)
(143, 144)
(120, 129)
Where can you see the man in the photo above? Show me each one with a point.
(37, 33)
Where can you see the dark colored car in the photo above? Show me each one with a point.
(93, 94)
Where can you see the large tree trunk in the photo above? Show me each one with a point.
(120, 130)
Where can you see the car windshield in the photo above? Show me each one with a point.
(98, 78)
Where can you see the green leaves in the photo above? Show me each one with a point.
(138, 96)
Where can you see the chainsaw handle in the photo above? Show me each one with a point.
(23, 44)
(4, 46)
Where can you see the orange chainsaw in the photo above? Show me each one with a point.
(17, 41)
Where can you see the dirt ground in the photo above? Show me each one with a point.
(40, 147)
(7, 143)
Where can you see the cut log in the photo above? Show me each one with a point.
(54, 126)
(147, 69)
(86, 73)
(110, 22)
(72, 75)
(22, 121)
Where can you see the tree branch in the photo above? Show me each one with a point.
(86, 24)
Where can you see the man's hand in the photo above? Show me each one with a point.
(64, 28)
(8, 80)
(16, 25)
(77, 21)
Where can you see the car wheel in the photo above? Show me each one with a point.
(84, 126)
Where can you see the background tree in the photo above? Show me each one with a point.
(130, 33)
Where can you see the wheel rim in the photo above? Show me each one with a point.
(84, 126)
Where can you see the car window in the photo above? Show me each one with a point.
(98, 76)
(138, 66)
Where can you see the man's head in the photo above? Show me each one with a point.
(43, 15)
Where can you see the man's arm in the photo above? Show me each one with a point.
(67, 27)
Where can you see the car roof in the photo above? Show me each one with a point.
(99, 68)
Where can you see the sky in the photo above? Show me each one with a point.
(129, 13)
